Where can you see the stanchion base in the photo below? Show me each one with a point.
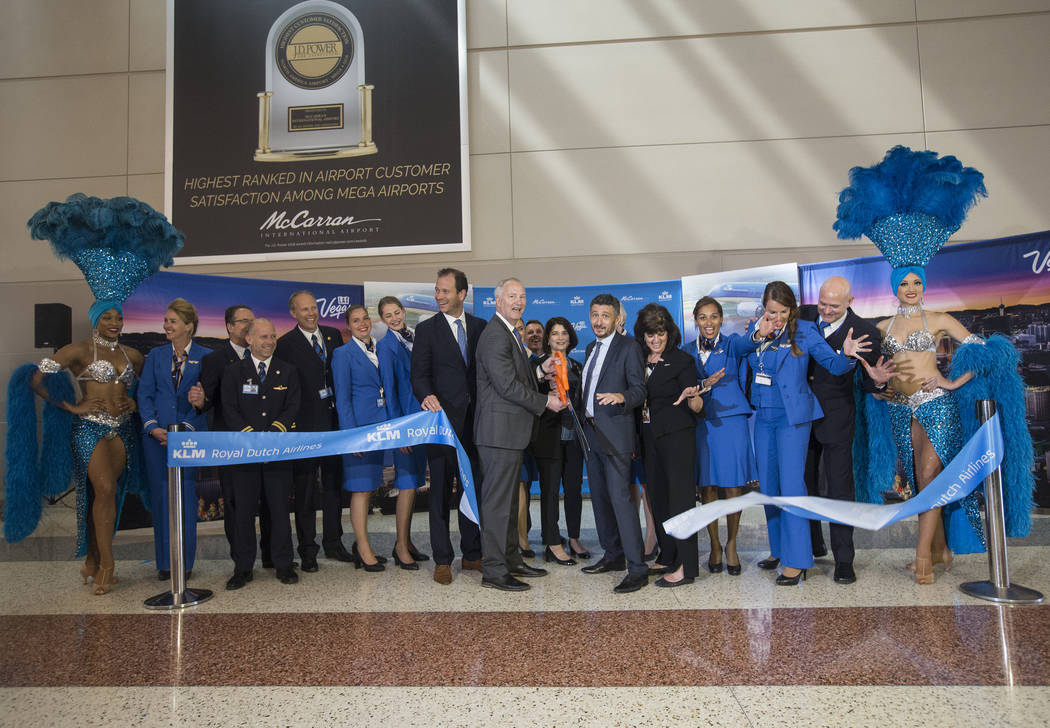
(190, 598)
(1012, 594)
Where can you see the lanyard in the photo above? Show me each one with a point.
(765, 345)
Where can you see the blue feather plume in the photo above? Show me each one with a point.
(908, 182)
(21, 487)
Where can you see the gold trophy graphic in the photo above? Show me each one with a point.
(315, 81)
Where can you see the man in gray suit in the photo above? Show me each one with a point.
(509, 405)
(613, 387)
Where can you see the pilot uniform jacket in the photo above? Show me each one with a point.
(159, 403)
(395, 365)
(730, 353)
(316, 413)
(212, 367)
(273, 409)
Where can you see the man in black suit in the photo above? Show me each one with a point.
(509, 406)
(444, 377)
(261, 394)
(613, 387)
(308, 347)
(206, 396)
(831, 439)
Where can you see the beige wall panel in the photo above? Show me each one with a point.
(63, 37)
(988, 72)
(149, 188)
(487, 94)
(26, 259)
(829, 83)
(1014, 163)
(557, 21)
(486, 23)
(733, 260)
(686, 197)
(146, 122)
(936, 9)
(63, 127)
(149, 38)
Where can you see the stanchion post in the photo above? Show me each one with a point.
(179, 596)
(998, 587)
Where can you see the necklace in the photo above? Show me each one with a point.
(111, 345)
(909, 311)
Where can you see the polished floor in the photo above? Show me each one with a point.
(345, 647)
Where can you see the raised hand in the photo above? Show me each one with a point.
(853, 347)
(712, 380)
(688, 393)
(883, 371)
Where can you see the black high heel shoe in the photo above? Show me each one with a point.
(791, 580)
(418, 555)
(769, 564)
(585, 554)
(549, 556)
(359, 563)
(527, 553)
(715, 568)
(733, 570)
(406, 565)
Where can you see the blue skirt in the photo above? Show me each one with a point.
(363, 474)
(411, 469)
(725, 455)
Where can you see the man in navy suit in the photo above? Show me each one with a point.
(831, 439)
(444, 377)
(613, 387)
(308, 347)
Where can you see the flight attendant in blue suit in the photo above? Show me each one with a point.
(167, 376)
(360, 399)
(410, 464)
(786, 408)
(722, 426)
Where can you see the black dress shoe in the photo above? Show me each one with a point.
(549, 556)
(268, 563)
(238, 580)
(406, 565)
(585, 554)
(336, 554)
(527, 553)
(287, 576)
(733, 570)
(658, 570)
(163, 575)
(527, 571)
(769, 564)
(603, 566)
(783, 580)
(418, 555)
(844, 573)
(355, 557)
(672, 584)
(631, 584)
(715, 568)
(309, 565)
(507, 583)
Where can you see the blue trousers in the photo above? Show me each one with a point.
(156, 456)
(780, 451)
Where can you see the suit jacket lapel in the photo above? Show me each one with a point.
(364, 361)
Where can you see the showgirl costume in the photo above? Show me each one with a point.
(116, 243)
(909, 205)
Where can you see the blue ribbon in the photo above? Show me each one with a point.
(194, 449)
(978, 459)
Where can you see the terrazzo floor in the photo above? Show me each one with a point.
(344, 647)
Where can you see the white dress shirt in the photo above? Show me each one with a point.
(597, 373)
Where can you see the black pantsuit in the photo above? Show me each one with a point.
(572, 485)
(837, 459)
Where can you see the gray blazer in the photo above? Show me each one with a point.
(623, 371)
(508, 399)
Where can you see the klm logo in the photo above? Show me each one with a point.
(489, 301)
(188, 451)
(664, 296)
(576, 301)
(383, 433)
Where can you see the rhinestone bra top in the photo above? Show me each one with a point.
(918, 340)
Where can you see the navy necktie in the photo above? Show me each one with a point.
(262, 371)
(461, 339)
(708, 344)
(247, 354)
(406, 334)
(318, 349)
(824, 325)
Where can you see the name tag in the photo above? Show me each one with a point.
(325, 392)
(764, 379)
(250, 389)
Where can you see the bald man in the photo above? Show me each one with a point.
(831, 438)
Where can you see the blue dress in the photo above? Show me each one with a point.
(360, 399)
(395, 369)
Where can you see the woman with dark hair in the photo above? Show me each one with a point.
(723, 428)
(559, 458)
(669, 437)
(170, 372)
(785, 409)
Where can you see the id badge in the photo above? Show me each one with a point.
(250, 389)
(324, 392)
(645, 416)
(764, 379)
(381, 402)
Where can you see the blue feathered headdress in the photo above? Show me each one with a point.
(116, 243)
(908, 204)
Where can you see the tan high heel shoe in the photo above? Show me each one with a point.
(104, 580)
(88, 572)
(923, 570)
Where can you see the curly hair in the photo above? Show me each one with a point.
(652, 319)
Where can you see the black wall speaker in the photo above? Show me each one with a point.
(52, 325)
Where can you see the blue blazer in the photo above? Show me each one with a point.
(395, 369)
(159, 404)
(357, 387)
(726, 398)
(790, 372)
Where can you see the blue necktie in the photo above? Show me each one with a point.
(824, 328)
(406, 334)
(262, 371)
(247, 354)
(461, 339)
(521, 344)
(318, 349)
(587, 376)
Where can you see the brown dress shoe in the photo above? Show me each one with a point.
(468, 565)
(443, 574)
